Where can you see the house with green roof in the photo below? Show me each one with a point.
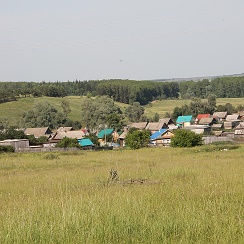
(103, 136)
(184, 120)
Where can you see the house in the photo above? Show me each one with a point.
(59, 135)
(217, 126)
(38, 132)
(86, 143)
(103, 136)
(233, 117)
(201, 116)
(155, 126)
(199, 129)
(17, 144)
(167, 121)
(122, 137)
(184, 120)
(139, 126)
(241, 114)
(239, 130)
(221, 116)
(207, 121)
(161, 137)
(64, 129)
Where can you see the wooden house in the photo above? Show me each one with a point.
(59, 135)
(201, 116)
(155, 126)
(184, 120)
(139, 126)
(161, 137)
(221, 116)
(199, 129)
(38, 132)
(239, 130)
(167, 121)
(207, 121)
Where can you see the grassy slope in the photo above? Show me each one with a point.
(192, 197)
(13, 110)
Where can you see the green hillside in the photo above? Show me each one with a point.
(14, 109)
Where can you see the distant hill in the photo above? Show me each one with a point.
(197, 78)
(13, 110)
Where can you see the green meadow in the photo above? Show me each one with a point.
(163, 195)
(14, 110)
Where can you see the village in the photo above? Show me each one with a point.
(217, 127)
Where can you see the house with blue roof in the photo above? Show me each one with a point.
(86, 143)
(161, 137)
(184, 120)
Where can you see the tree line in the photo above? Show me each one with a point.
(126, 91)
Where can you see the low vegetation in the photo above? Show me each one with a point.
(160, 195)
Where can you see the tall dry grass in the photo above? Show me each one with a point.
(187, 196)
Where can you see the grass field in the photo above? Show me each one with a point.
(188, 196)
(13, 110)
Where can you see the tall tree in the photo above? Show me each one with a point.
(134, 112)
(43, 114)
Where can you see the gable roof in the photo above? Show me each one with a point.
(184, 118)
(232, 117)
(85, 142)
(201, 116)
(217, 126)
(167, 121)
(153, 126)
(205, 120)
(102, 133)
(38, 132)
(240, 126)
(74, 134)
(221, 115)
(140, 125)
(65, 129)
(158, 134)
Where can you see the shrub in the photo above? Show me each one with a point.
(136, 139)
(68, 142)
(6, 149)
(186, 138)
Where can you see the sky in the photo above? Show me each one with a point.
(61, 40)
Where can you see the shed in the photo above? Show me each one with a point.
(17, 144)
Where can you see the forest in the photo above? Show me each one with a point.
(126, 91)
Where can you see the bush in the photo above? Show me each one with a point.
(68, 142)
(6, 149)
(136, 139)
(186, 138)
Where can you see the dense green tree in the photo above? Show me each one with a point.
(136, 139)
(186, 138)
(134, 112)
(43, 114)
(66, 107)
(100, 111)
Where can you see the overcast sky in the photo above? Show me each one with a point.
(50, 40)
